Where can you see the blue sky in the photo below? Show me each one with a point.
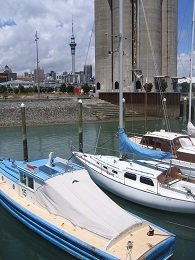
(184, 24)
(185, 12)
(20, 19)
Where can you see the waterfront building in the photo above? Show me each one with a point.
(7, 75)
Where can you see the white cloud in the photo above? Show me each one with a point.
(183, 65)
(52, 19)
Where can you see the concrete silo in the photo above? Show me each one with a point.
(150, 39)
(103, 44)
(169, 39)
(147, 52)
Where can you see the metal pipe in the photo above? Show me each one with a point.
(191, 64)
(38, 86)
(80, 127)
(121, 64)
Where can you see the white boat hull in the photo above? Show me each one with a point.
(162, 200)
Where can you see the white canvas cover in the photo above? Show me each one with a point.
(78, 199)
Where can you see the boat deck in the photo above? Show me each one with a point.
(141, 241)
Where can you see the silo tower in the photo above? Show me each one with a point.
(149, 44)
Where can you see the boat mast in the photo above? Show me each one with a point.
(191, 64)
(120, 64)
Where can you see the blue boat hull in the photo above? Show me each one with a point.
(54, 235)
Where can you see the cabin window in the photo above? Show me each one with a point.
(114, 171)
(150, 141)
(105, 167)
(184, 142)
(167, 144)
(30, 182)
(146, 180)
(176, 142)
(23, 178)
(130, 176)
(27, 180)
(158, 143)
(144, 140)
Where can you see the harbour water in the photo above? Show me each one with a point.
(18, 242)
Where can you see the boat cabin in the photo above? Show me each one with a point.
(179, 145)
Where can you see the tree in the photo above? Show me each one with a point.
(185, 86)
(16, 90)
(70, 89)
(149, 87)
(86, 88)
(3, 89)
(21, 88)
(160, 84)
(63, 87)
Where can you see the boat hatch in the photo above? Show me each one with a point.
(47, 170)
(64, 166)
(171, 174)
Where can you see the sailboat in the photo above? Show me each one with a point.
(190, 126)
(181, 145)
(146, 182)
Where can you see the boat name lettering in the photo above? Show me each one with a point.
(24, 192)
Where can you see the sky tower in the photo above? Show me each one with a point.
(73, 46)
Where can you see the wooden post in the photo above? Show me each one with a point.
(24, 136)
(80, 127)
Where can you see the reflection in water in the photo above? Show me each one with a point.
(16, 241)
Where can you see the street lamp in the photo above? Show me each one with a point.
(36, 39)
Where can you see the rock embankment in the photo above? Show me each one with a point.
(44, 111)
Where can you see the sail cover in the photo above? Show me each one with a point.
(127, 145)
(78, 199)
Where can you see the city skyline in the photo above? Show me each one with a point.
(53, 23)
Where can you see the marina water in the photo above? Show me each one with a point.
(18, 242)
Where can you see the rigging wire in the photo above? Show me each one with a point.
(89, 44)
(156, 70)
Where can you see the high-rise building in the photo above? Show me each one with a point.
(149, 43)
(87, 73)
(40, 74)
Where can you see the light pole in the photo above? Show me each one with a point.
(36, 39)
